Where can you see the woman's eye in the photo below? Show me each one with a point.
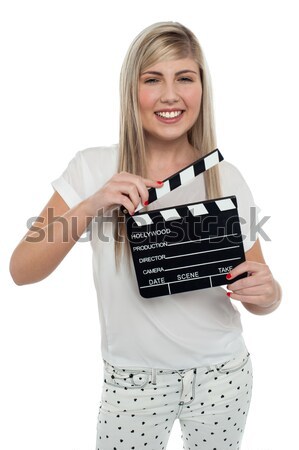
(186, 79)
(151, 81)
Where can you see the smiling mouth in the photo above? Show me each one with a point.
(169, 114)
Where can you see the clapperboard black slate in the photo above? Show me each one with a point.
(186, 247)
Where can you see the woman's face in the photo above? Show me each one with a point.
(169, 98)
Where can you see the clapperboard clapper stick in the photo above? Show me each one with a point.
(186, 247)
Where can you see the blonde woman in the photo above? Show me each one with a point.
(180, 356)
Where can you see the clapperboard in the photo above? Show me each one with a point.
(186, 247)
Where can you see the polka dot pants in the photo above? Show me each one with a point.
(139, 406)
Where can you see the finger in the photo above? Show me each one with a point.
(152, 183)
(246, 266)
(254, 290)
(247, 282)
(125, 201)
(142, 184)
(117, 192)
(254, 299)
(117, 199)
(129, 189)
(127, 204)
(126, 176)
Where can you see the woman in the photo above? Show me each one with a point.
(178, 356)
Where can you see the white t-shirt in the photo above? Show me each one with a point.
(177, 331)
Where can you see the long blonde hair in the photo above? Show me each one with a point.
(158, 42)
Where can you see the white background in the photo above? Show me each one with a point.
(60, 64)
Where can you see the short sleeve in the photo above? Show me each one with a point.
(86, 172)
(70, 184)
(233, 183)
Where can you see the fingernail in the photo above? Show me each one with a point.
(160, 182)
(228, 276)
(228, 293)
(145, 203)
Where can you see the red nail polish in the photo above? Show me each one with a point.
(228, 276)
(145, 203)
(160, 182)
(228, 293)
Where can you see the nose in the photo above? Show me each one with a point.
(169, 93)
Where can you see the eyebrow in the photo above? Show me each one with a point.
(153, 72)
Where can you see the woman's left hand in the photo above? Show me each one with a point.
(260, 288)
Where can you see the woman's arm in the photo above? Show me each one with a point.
(48, 241)
(58, 228)
(259, 293)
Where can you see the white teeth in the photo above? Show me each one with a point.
(169, 115)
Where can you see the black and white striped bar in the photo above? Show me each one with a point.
(179, 178)
(196, 209)
(185, 248)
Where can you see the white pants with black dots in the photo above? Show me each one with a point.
(139, 406)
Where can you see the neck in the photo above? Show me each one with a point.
(176, 152)
(167, 157)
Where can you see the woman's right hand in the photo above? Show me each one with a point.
(123, 189)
